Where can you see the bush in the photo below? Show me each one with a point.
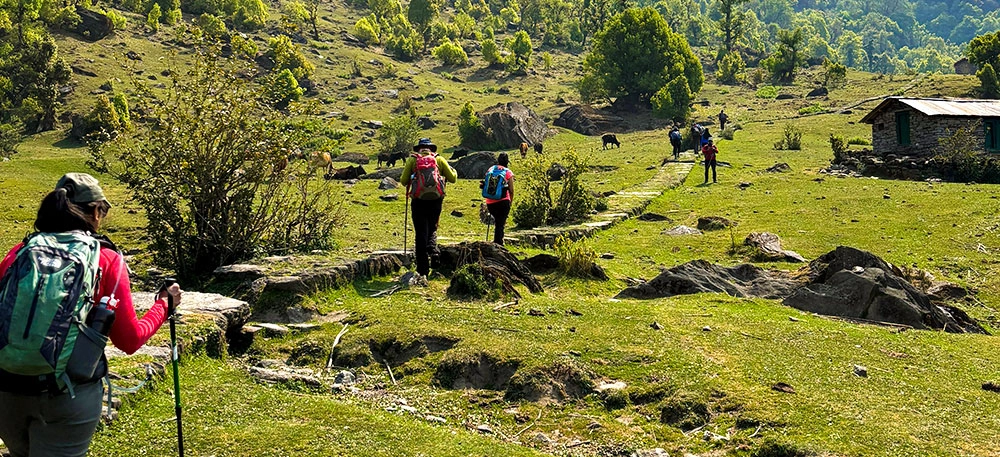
(208, 202)
(288, 56)
(10, 136)
(961, 162)
(791, 141)
(812, 109)
(250, 15)
(404, 47)
(472, 282)
(768, 92)
(470, 128)
(104, 118)
(835, 74)
(283, 89)
(450, 53)
(731, 67)
(673, 100)
(574, 202)
(839, 147)
(367, 30)
(153, 18)
(243, 46)
(859, 141)
(546, 61)
(730, 131)
(990, 86)
(117, 20)
(398, 135)
(576, 258)
(491, 52)
(534, 198)
(211, 25)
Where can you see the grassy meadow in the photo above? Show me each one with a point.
(701, 384)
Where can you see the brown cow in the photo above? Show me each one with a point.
(524, 150)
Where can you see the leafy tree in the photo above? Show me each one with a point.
(30, 77)
(9, 139)
(985, 49)
(835, 74)
(731, 22)
(851, 50)
(403, 41)
(636, 54)
(730, 67)
(167, 10)
(153, 18)
(212, 172)
(520, 49)
(211, 25)
(288, 56)
(312, 10)
(398, 134)
(385, 9)
(283, 89)
(250, 15)
(470, 128)
(491, 52)
(592, 16)
(451, 53)
(421, 13)
(367, 30)
(673, 101)
(534, 197)
(788, 57)
(988, 80)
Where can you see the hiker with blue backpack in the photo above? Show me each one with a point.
(498, 191)
(425, 175)
(64, 291)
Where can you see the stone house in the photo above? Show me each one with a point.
(912, 126)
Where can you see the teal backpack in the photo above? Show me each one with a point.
(45, 296)
(495, 183)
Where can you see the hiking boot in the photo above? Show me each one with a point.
(435, 261)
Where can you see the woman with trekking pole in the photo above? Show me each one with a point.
(51, 396)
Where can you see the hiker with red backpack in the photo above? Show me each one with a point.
(64, 291)
(424, 176)
(498, 191)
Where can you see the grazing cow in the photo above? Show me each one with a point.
(609, 138)
(345, 173)
(390, 158)
(538, 148)
(524, 150)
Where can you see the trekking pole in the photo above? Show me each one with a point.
(406, 212)
(175, 356)
(487, 231)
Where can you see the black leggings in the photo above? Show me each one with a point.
(710, 163)
(426, 214)
(499, 210)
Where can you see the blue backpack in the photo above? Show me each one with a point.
(495, 183)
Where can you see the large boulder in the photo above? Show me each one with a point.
(93, 25)
(768, 248)
(474, 166)
(586, 120)
(699, 276)
(512, 124)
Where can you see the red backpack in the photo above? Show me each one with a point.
(428, 184)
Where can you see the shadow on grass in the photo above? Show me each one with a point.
(370, 286)
(69, 143)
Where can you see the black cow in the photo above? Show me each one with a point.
(538, 148)
(609, 138)
(458, 153)
(345, 173)
(390, 158)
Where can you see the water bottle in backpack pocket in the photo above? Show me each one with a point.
(495, 183)
(89, 351)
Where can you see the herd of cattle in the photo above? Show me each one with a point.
(324, 160)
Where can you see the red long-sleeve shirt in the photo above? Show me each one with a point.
(128, 333)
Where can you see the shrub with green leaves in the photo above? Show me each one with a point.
(117, 20)
(209, 202)
(107, 118)
(812, 109)
(250, 15)
(989, 84)
(576, 258)
(834, 74)
(673, 100)
(288, 56)
(211, 25)
(471, 281)
(399, 134)
(403, 41)
(575, 202)
(534, 199)
(961, 162)
(282, 89)
(859, 141)
(767, 92)
(792, 139)
(245, 47)
(731, 68)
(153, 18)
(838, 146)
(520, 50)
(491, 52)
(450, 53)
(367, 30)
(10, 137)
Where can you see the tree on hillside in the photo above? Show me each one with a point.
(312, 8)
(788, 57)
(985, 49)
(31, 73)
(520, 50)
(731, 23)
(421, 13)
(211, 168)
(636, 54)
(592, 16)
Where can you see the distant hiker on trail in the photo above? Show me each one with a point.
(54, 411)
(424, 176)
(675, 142)
(723, 118)
(709, 151)
(697, 131)
(498, 190)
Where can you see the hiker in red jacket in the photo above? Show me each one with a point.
(38, 418)
(709, 151)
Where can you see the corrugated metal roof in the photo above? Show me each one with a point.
(954, 107)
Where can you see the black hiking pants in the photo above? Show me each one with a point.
(499, 210)
(710, 163)
(677, 149)
(426, 214)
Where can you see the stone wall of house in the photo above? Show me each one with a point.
(924, 132)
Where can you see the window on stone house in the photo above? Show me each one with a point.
(903, 128)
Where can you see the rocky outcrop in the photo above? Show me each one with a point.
(93, 25)
(767, 247)
(699, 276)
(353, 157)
(586, 120)
(474, 166)
(512, 124)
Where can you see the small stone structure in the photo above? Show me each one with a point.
(926, 121)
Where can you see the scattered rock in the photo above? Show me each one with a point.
(744, 185)
(609, 385)
(699, 276)
(608, 256)
(82, 71)
(818, 92)
(861, 371)
(353, 157)
(93, 25)
(474, 166)
(706, 329)
(132, 55)
(535, 312)
(372, 124)
(709, 223)
(991, 386)
(681, 230)
(272, 330)
(542, 263)
(413, 279)
(782, 387)
(457, 213)
(652, 217)
(780, 167)
(440, 420)
(768, 248)
(656, 326)
(345, 377)
(388, 183)
(278, 373)
(426, 123)
(784, 97)
(483, 428)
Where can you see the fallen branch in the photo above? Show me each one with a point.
(756, 432)
(529, 425)
(504, 305)
(578, 443)
(388, 291)
(751, 336)
(329, 360)
(393, 378)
